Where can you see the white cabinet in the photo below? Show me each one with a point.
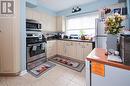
(76, 50)
(61, 47)
(48, 21)
(66, 48)
(70, 49)
(29, 14)
(60, 23)
(87, 49)
(83, 49)
(51, 48)
(80, 51)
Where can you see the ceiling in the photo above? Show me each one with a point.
(59, 5)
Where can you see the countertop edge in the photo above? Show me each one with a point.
(91, 58)
(73, 40)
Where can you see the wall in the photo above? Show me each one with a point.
(128, 6)
(89, 7)
(23, 34)
(48, 21)
(37, 5)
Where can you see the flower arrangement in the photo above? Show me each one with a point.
(113, 24)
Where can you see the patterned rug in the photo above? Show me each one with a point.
(41, 69)
(69, 62)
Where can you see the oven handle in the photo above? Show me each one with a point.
(34, 44)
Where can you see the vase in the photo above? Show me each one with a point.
(111, 42)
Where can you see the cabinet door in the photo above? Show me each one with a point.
(51, 48)
(87, 49)
(70, 49)
(79, 53)
(60, 47)
(60, 22)
(29, 13)
(50, 23)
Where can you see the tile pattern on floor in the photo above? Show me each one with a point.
(58, 76)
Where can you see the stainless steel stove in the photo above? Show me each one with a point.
(36, 48)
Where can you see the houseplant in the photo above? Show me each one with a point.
(113, 27)
(82, 35)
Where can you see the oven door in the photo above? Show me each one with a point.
(36, 51)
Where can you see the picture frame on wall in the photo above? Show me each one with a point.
(117, 10)
(124, 11)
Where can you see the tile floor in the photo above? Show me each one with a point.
(57, 76)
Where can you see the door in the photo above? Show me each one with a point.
(6, 46)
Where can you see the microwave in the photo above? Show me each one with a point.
(125, 48)
(33, 25)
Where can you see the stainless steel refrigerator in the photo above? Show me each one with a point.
(100, 35)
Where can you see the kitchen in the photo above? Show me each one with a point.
(59, 37)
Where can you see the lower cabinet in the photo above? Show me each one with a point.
(80, 50)
(76, 50)
(60, 47)
(51, 48)
(70, 48)
(87, 49)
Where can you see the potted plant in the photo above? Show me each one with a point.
(113, 27)
(82, 35)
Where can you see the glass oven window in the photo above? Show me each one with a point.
(36, 50)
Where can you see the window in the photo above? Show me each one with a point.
(84, 23)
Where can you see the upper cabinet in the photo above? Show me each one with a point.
(60, 23)
(48, 21)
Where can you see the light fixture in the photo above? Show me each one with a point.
(77, 9)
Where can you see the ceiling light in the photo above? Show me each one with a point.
(77, 9)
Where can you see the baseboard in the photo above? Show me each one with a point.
(10, 74)
(23, 72)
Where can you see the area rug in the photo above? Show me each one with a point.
(41, 69)
(69, 62)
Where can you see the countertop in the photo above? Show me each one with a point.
(76, 40)
(98, 55)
